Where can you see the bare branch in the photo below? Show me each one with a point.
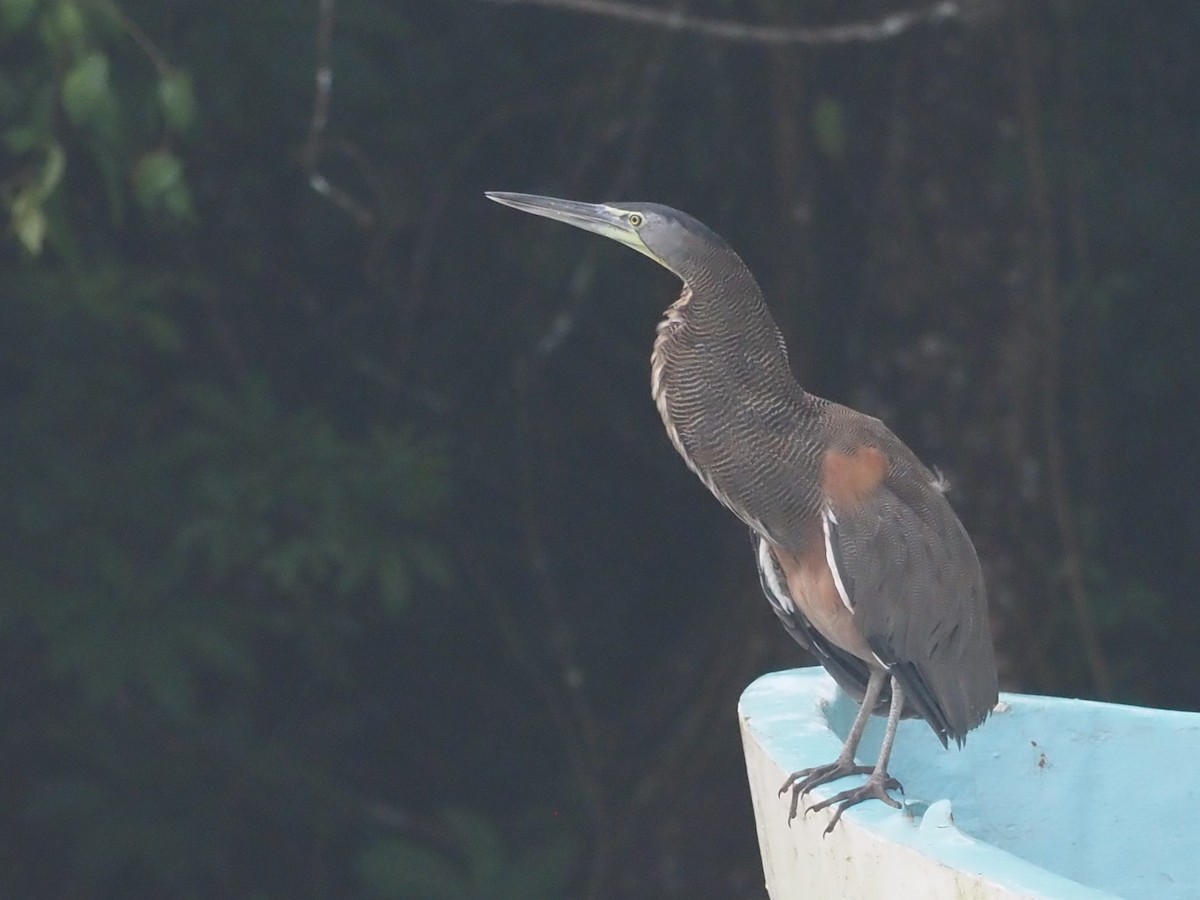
(157, 58)
(320, 114)
(881, 29)
(320, 119)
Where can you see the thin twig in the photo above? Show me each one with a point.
(157, 58)
(881, 29)
(324, 80)
(1060, 497)
(320, 120)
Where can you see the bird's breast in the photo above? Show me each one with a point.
(660, 361)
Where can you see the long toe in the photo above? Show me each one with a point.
(800, 783)
(875, 788)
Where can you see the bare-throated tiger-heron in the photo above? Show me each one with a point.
(859, 553)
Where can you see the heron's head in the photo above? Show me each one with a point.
(672, 239)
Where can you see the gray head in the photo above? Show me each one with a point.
(671, 238)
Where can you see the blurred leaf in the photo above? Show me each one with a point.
(15, 15)
(177, 100)
(29, 220)
(52, 170)
(829, 127)
(159, 185)
(64, 27)
(156, 173)
(177, 203)
(87, 95)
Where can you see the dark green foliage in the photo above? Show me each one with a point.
(196, 562)
(321, 512)
(168, 543)
(73, 96)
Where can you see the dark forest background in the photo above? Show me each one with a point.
(341, 550)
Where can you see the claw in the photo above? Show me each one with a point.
(876, 788)
(800, 783)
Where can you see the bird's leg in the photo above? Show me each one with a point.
(876, 787)
(800, 783)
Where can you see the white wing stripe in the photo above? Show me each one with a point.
(766, 565)
(828, 517)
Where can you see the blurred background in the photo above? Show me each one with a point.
(342, 553)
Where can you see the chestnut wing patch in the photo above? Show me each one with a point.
(847, 478)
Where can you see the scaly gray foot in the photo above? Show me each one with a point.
(800, 783)
(876, 788)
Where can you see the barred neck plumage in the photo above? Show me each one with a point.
(726, 316)
(720, 380)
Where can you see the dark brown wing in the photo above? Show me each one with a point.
(911, 575)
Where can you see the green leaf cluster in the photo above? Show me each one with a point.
(325, 516)
(156, 542)
(77, 99)
(208, 559)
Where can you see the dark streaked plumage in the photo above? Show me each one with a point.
(859, 553)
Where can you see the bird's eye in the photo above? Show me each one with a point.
(636, 220)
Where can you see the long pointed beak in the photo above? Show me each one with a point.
(594, 217)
